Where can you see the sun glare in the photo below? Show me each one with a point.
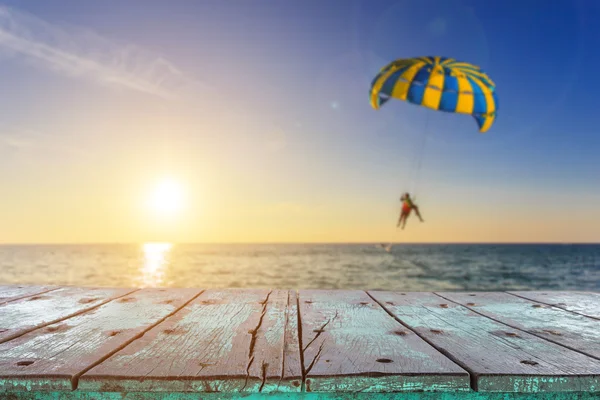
(167, 198)
(155, 263)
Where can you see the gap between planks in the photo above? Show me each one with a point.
(250, 352)
(75, 379)
(83, 311)
(2, 302)
(304, 370)
(254, 332)
(300, 346)
(472, 377)
(531, 332)
(553, 305)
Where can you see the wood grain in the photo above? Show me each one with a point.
(10, 293)
(350, 344)
(53, 357)
(21, 316)
(292, 365)
(81, 395)
(223, 341)
(571, 330)
(585, 303)
(500, 359)
(224, 344)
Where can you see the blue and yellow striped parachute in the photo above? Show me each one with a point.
(438, 83)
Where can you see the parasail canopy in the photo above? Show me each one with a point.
(438, 83)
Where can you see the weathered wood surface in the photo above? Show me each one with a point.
(178, 343)
(571, 330)
(15, 292)
(223, 341)
(52, 358)
(21, 316)
(585, 303)
(81, 395)
(350, 344)
(292, 362)
(499, 358)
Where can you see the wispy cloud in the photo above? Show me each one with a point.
(15, 142)
(81, 53)
(27, 140)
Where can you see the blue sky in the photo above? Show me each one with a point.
(271, 98)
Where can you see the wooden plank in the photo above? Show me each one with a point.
(223, 341)
(15, 292)
(350, 344)
(499, 358)
(21, 316)
(585, 303)
(574, 331)
(52, 358)
(292, 363)
(79, 395)
(270, 352)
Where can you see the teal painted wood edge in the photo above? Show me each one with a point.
(80, 395)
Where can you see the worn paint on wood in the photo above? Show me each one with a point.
(350, 344)
(52, 358)
(21, 316)
(292, 365)
(15, 292)
(585, 303)
(79, 395)
(223, 341)
(270, 352)
(499, 358)
(571, 330)
(134, 345)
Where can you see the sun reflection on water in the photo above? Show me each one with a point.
(155, 263)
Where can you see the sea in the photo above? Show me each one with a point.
(403, 267)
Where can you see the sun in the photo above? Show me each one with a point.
(167, 198)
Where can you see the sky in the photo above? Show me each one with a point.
(259, 110)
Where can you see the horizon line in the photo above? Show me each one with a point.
(291, 243)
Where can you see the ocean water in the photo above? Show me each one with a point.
(307, 266)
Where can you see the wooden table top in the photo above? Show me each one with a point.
(321, 344)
